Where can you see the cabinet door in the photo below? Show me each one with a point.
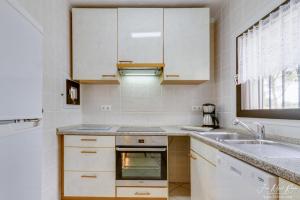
(94, 43)
(202, 178)
(89, 159)
(186, 44)
(288, 190)
(140, 35)
(142, 192)
(209, 153)
(89, 184)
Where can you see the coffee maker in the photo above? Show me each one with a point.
(209, 116)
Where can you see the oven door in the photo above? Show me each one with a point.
(136, 165)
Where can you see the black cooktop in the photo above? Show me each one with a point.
(139, 129)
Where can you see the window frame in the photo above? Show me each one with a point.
(293, 114)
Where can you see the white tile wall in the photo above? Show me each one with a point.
(234, 17)
(143, 101)
(53, 15)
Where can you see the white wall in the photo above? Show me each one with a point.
(234, 17)
(143, 101)
(53, 15)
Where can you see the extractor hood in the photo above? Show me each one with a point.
(140, 69)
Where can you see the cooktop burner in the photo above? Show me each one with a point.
(139, 129)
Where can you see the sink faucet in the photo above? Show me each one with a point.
(259, 133)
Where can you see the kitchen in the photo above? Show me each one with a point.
(112, 96)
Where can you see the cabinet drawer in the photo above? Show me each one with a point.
(89, 141)
(89, 159)
(142, 192)
(204, 150)
(89, 184)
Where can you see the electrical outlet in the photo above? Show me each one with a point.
(108, 107)
(196, 108)
(105, 107)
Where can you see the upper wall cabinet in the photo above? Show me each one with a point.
(140, 35)
(186, 45)
(94, 45)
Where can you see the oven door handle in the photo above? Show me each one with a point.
(142, 149)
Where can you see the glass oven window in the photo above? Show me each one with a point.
(147, 165)
(141, 165)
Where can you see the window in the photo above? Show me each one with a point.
(268, 65)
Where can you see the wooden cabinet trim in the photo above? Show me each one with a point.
(62, 169)
(108, 81)
(182, 82)
(140, 65)
(111, 198)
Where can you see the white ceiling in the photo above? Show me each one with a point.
(213, 4)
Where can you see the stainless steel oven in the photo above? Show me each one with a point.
(141, 161)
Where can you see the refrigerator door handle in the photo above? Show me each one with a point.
(17, 121)
(5, 122)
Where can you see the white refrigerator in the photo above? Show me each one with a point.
(21, 39)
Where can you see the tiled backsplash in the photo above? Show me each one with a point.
(143, 101)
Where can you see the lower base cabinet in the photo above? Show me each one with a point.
(88, 167)
(202, 179)
(142, 192)
(203, 170)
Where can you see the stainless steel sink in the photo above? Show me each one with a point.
(248, 143)
(227, 137)
(266, 148)
(262, 142)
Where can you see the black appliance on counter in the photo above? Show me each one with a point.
(209, 116)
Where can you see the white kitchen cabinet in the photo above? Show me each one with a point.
(94, 33)
(186, 45)
(203, 170)
(207, 152)
(89, 166)
(142, 192)
(140, 35)
(288, 190)
(89, 141)
(89, 184)
(89, 159)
